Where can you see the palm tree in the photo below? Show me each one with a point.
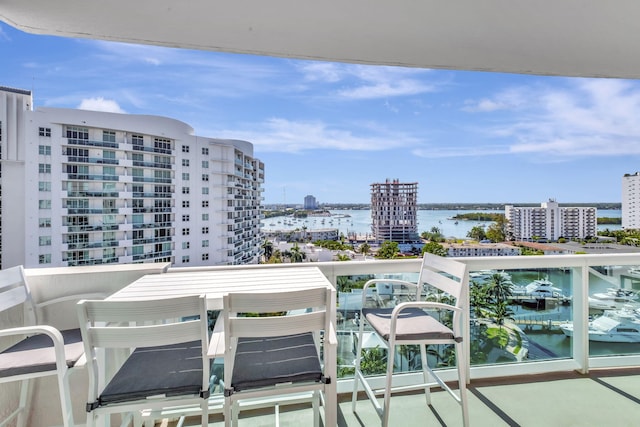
(500, 287)
(296, 255)
(267, 246)
(365, 248)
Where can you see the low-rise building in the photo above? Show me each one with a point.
(467, 249)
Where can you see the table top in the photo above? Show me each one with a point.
(216, 283)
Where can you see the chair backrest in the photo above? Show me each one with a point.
(142, 323)
(307, 312)
(447, 275)
(14, 291)
(109, 324)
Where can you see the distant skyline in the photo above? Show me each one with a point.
(332, 129)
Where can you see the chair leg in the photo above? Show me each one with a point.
(354, 397)
(462, 383)
(227, 411)
(204, 407)
(23, 414)
(388, 383)
(65, 400)
(425, 372)
(315, 404)
(331, 405)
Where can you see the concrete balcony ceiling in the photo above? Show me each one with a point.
(590, 38)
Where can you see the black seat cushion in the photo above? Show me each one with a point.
(263, 362)
(36, 354)
(171, 370)
(412, 324)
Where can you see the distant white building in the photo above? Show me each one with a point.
(310, 203)
(480, 249)
(86, 187)
(550, 222)
(631, 201)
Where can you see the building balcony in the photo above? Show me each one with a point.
(556, 380)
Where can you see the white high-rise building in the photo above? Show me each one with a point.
(394, 211)
(631, 201)
(85, 187)
(550, 222)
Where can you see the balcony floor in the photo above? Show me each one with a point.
(603, 397)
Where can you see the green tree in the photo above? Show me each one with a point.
(434, 248)
(296, 254)
(275, 258)
(365, 248)
(343, 257)
(267, 247)
(388, 250)
(373, 361)
(477, 233)
(497, 232)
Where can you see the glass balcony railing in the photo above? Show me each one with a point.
(545, 320)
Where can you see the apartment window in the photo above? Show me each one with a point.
(162, 143)
(185, 231)
(185, 245)
(137, 250)
(108, 136)
(75, 132)
(44, 259)
(205, 203)
(185, 203)
(44, 222)
(205, 177)
(44, 204)
(44, 240)
(185, 162)
(185, 217)
(185, 190)
(108, 154)
(44, 150)
(205, 257)
(185, 148)
(205, 190)
(44, 131)
(205, 164)
(44, 186)
(205, 243)
(137, 140)
(185, 176)
(137, 234)
(205, 230)
(109, 171)
(205, 151)
(185, 259)
(44, 168)
(205, 217)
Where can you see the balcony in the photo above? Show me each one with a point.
(587, 382)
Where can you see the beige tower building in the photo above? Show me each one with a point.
(394, 211)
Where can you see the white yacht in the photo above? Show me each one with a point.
(620, 326)
(537, 290)
(613, 298)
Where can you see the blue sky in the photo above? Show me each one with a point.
(332, 129)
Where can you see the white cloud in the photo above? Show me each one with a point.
(100, 104)
(579, 118)
(281, 135)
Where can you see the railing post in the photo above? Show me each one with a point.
(580, 304)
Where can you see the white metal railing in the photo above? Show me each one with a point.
(53, 283)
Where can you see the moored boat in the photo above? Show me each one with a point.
(619, 326)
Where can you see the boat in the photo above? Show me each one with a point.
(618, 326)
(538, 289)
(613, 298)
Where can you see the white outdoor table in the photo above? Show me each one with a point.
(216, 283)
